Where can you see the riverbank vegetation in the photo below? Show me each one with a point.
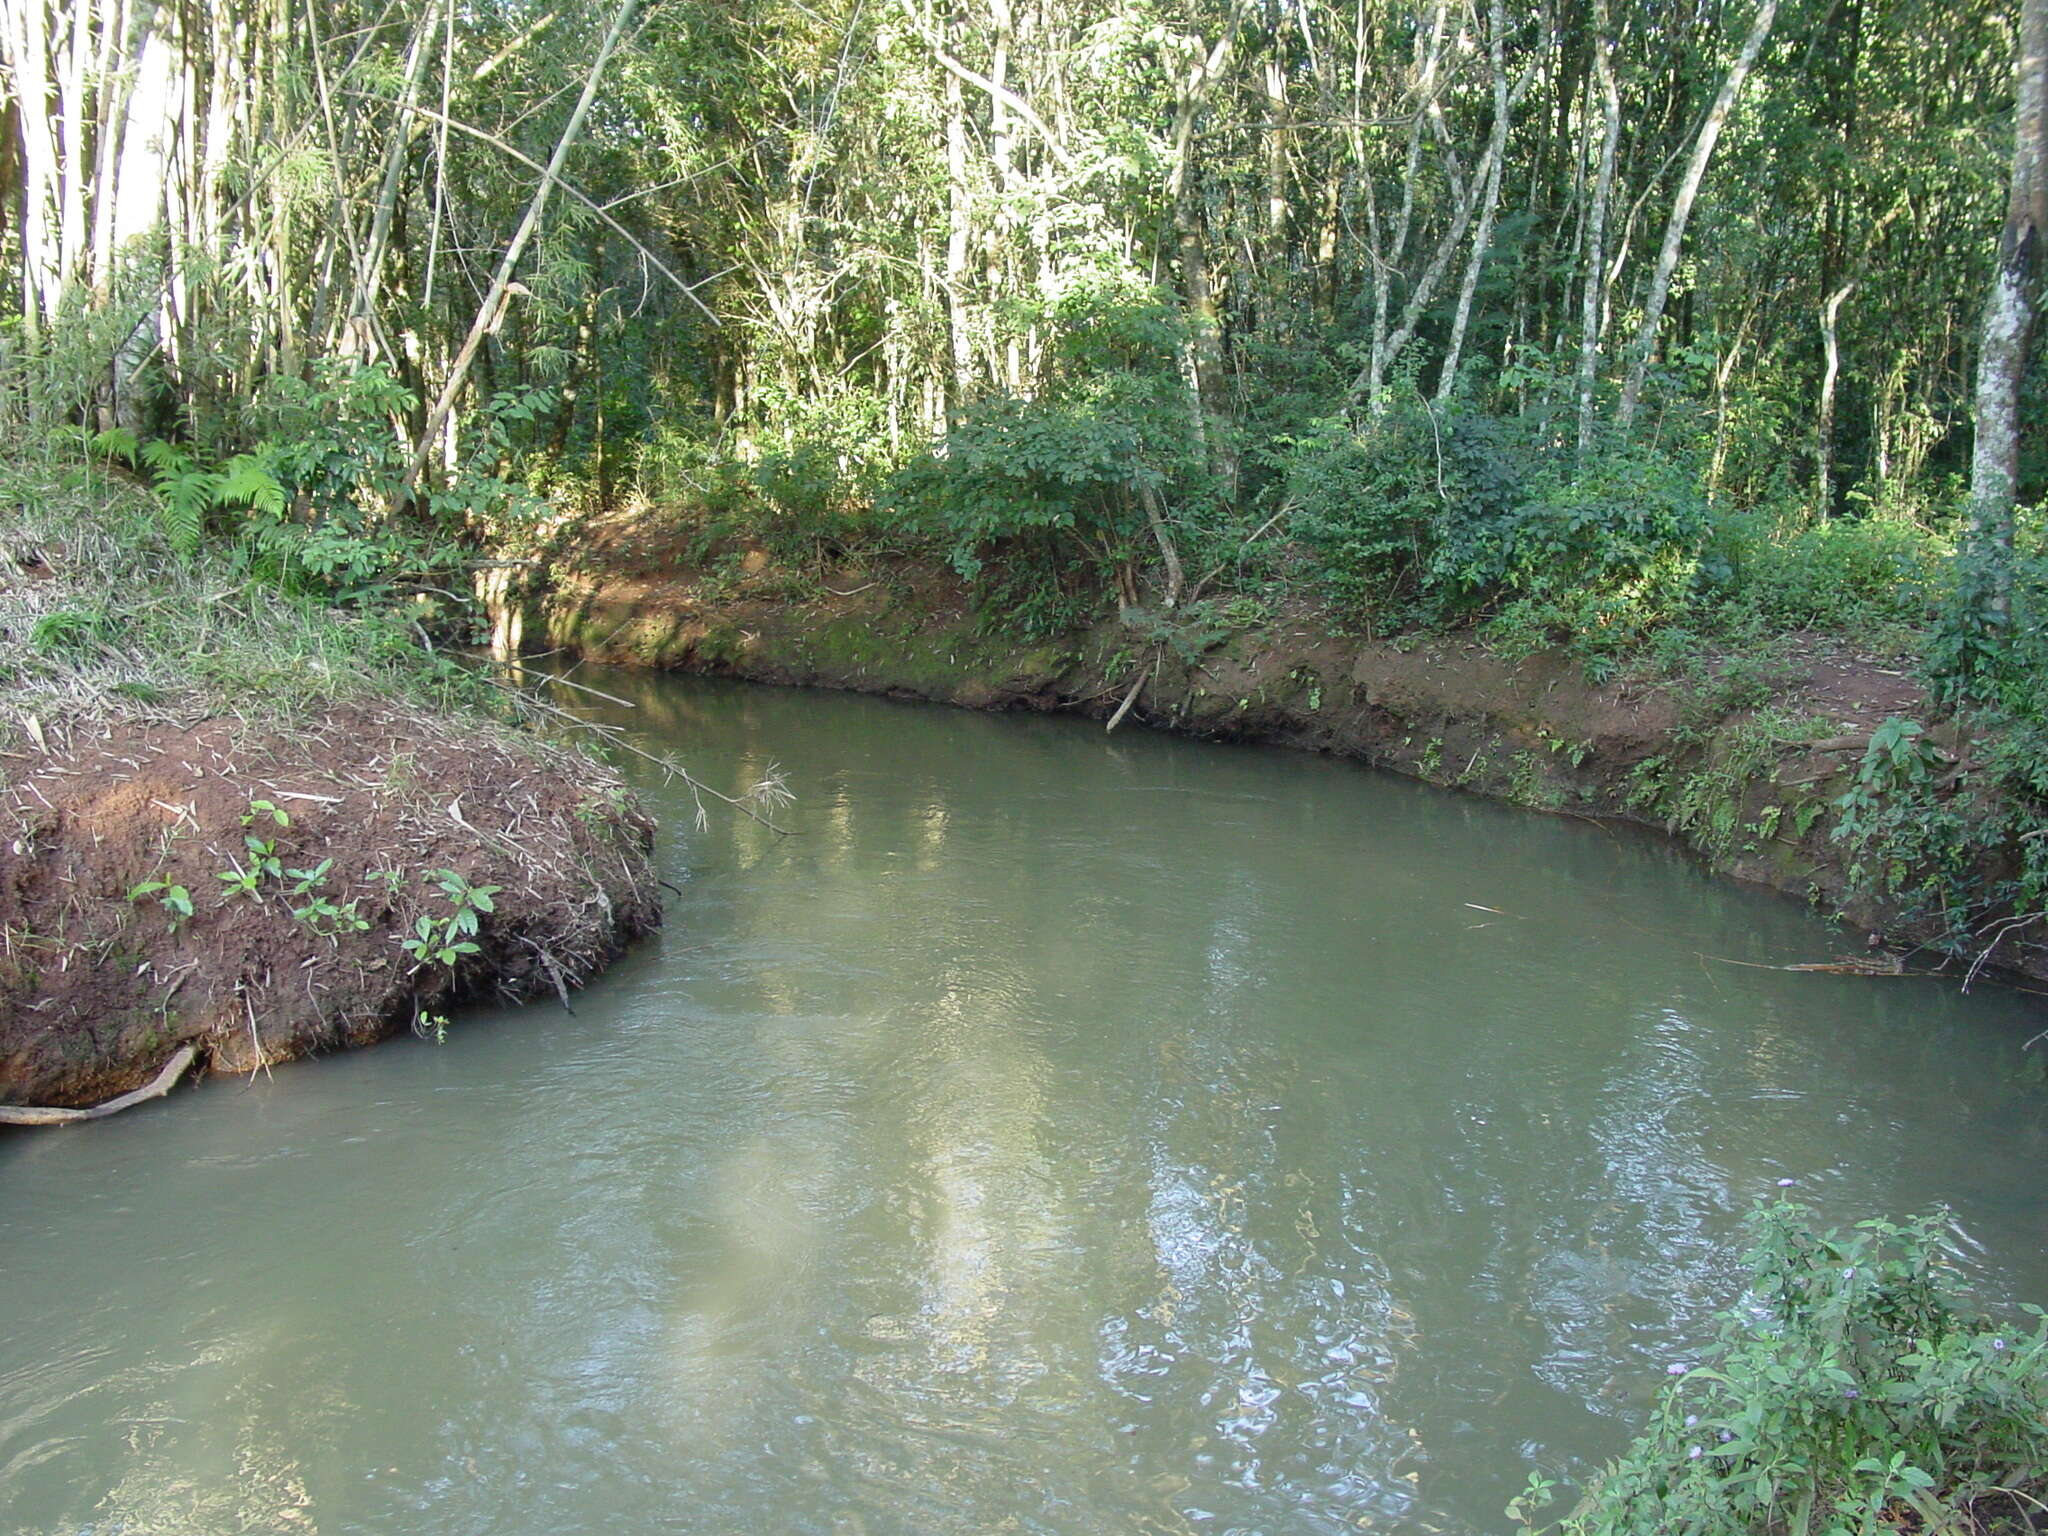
(1853, 1389)
(1587, 328)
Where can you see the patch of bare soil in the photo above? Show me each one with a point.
(307, 856)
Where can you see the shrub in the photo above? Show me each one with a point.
(1405, 514)
(1040, 501)
(1851, 1391)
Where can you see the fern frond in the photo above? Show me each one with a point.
(116, 443)
(185, 500)
(244, 481)
(165, 457)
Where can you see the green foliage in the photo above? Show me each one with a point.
(175, 899)
(1846, 575)
(72, 631)
(188, 493)
(1978, 657)
(318, 910)
(1427, 512)
(1041, 500)
(1708, 801)
(445, 940)
(1851, 1392)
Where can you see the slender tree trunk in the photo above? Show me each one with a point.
(2009, 316)
(959, 233)
(1681, 212)
(361, 339)
(489, 312)
(1482, 238)
(1824, 428)
(1593, 306)
(1204, 363)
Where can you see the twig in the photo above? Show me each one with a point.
(615, 738)
(1131, 698)
(255, 1044)
(609, 698)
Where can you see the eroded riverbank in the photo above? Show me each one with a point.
(1745, 773)
(258, 891)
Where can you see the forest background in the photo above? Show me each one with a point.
(1636, 329)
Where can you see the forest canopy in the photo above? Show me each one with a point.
(1596, 303)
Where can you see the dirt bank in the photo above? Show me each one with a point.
(1741, 762)
(249, 888)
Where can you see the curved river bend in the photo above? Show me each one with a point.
(1060, 1134)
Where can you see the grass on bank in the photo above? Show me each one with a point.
(101, 618)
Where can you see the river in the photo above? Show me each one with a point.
(1055, 1133)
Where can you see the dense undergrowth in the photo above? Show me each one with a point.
(160, 577)
(1852, 1391)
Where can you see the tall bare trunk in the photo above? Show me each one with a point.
(959, 231)
(2009, 321)
(1824, 428)
(491, 310)
(1681, 212)
(1593, 306)
(1482, 237)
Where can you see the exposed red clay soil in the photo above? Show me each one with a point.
(1444, 708)
(97, 990)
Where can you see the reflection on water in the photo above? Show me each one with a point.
(1057, 1134)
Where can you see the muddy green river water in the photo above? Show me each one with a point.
(1058, 1133)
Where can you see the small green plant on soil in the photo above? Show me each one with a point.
(264, 864)
(316, 909)
(1851, 1391)
(172, 897)
(445, 940)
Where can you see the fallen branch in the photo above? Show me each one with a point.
(769, 791)
(1849, 965)
(43, 1114)
(1130, 698)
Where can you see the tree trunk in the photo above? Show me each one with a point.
(1824, 430)
(489, 312)
(2009, 323)
(1482, 238)
(1681, 211)
(1593, 308)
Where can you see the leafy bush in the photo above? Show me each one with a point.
(1406, 514)
(1041, 501)
(1029, 495)
(1426, 512)
(1852, 1391)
